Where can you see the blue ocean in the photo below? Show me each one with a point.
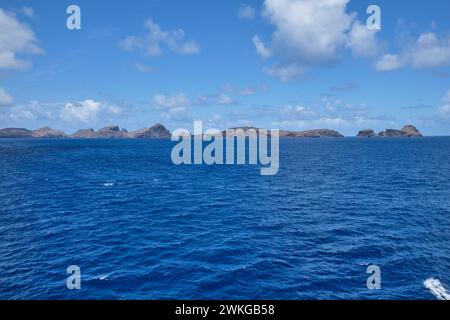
(140, 227)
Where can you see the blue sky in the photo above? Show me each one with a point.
(289, 64)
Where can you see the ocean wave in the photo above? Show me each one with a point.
(436, 288)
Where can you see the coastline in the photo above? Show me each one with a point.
(159, 131)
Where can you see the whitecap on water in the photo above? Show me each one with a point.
(436, 288)
(108, 184)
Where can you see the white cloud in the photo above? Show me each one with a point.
(312, 33)
(296, 111)
(178, 101)
(285, 72)
(261, 48)
(429, 51)
(5, 98)
(225, 99)
(32, 110)
(143, 68)
(389, 62)
(16, 38)
(444, 111)
(246, 12)
(84, 111)
(362, 41)
(308, 31)
(156, 38)
(87, 111)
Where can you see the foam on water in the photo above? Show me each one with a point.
(437, 289)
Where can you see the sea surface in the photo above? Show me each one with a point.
(140, 227)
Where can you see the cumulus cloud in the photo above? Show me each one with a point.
(33, 110)
(156, 39)
(16, 39)
(227, 96)
(388, 62)
(311, 33)
(5, 98)
(178, 101)
(87, 111)
(246, 12)
(362, 41)
(428, 51)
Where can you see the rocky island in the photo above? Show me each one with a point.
(318, 133)
(408, 131)
(158, 131)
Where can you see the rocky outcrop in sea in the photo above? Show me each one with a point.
(49, 133)
(318, 133)
(158, 131)
(408, 131)
(9, 133)
(111, 132)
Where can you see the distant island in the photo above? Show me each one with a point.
(158, 131)
(408, 131)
